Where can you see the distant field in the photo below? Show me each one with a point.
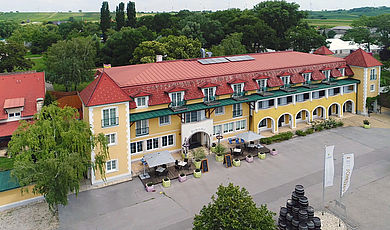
(329, 22)
(53, 16)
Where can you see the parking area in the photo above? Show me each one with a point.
(270, 181)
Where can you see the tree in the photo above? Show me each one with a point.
(119, 48)
(54, 153)
(7, 28)
(49, 99)
(304, 38)
(331, 34)
(71, 62)
(181, 47)
(12, 57)
(105, 19)
(120, 16)
(234, 208)
(146, 52)
(280, 16)
(360, 35)
(131, 14)
(231, 45)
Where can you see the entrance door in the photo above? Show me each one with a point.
(281, 121)
(195, 141)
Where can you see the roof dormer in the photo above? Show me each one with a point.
(14, 107)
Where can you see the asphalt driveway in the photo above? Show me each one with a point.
(270, 181)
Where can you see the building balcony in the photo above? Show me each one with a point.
(237, 113)
(211, 101)
(141, 131)
(263, 92)
(108, 122)
(178, 106)
(239, 96)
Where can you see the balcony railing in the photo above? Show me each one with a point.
(178, 103)
(237, 113)
(239, 94)
(110, 122)
(209, 99)
(141, 131)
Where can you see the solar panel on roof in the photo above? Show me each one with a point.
(240, 58)
(212, 61)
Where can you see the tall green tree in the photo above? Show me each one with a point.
(304, 38)
(147, 51)
(280, 16)
(231, 45)
(71, 62)
(12, 57)
(233, 208)
(119, 48)
(361, 35)
(7, 28)
(131, 14)
(181, 47)
(105, 19)
(120, 16)
(53, 153)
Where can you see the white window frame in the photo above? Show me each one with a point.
(153, 146)
(307, 77)
(115, 139)
(145, 99)
(109, 162)
(109, 115)
(206, 93)
(239, 87)
(167, 137)
(282, 99)
(239, 125)
(15, 115)
(174, 96)
(372, 88)
(215, 128)
(228, 127)
(262, 83)
(342, 71)
(373, 75)
(146, 126)
(286, 80)
(166, 123)
(327, 74)
(221, 113)
(240, 109)
(264, 102)
(315, 92)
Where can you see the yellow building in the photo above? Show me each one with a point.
(160, 106)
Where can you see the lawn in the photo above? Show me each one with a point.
(329, 22)
(6, 163)
(60, 87)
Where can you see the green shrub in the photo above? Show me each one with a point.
(309, 131)
(219, 149)
(199, 154)
(366, 122)
(300, 133)
(277, 138)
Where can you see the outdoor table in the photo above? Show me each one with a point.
(252, 146)
(160, 169)
(259, 146)
(182, 163)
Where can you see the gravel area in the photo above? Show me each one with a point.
(32, 216)
(330, 221)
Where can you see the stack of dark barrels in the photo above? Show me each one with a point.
(298, 215)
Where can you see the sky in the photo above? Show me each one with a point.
(174, 5)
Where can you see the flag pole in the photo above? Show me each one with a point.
(323, 184)
(341, 182)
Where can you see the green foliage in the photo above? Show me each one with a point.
(304, 38)
(120, 16)
(231, 45)
(146, 51)
(326, 124)
(71, 62)
(7, 28)
(370, 102)
(79, 29)
(300, 133)
(199, 154)
(218, 149)
(277, 138)
(360, 35)
(131, 14)
(233, 208)
(366, 122)
(181, 47)
(12, 57)
(105, 19)
(54, 153)
(331, 34)
(49, 99)
(309, 131)
(6, 163)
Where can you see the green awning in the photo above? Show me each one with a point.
(224, 102)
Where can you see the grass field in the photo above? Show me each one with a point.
(54, 16)
(329, 22)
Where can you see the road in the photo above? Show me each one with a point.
(270, 181)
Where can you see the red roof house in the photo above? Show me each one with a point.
(362, 58)
(323, 50)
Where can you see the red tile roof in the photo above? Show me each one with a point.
(317, 75)
(236, 81)
(335, 73)
(362, 58)
(71, 101)
(323, 50)
(176, 89)
(297, 78)
(274, 82)
(307, 71)
(261, 77)
(13, 103)
(141, 94)
(103, 90)
(7, 128)
(29, 86)
(285, 74)
(348, 71)
(208, 85)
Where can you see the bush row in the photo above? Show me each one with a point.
(277, 138)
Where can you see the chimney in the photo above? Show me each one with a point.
(39, 104)
(159, 58)
(203, 53)
(209, 54)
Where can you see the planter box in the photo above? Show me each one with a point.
(249, 159)
(237, 163)
(166, 183)
(197, 164)
(261, 155)
(182, 178)
(273, 153)
(197, 174)
(367, 126)
(150, 188)
(219, 158)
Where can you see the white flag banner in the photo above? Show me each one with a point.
(329, 166)
(348, 163)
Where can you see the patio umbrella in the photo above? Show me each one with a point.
(249, 136)
(159, 158)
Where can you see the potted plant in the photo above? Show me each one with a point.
(199, 155)
(274, 152)
(366, 124)
(261, 155)
(149, 187)
(249, 158)
(182, 177)
(219, 151)
(166, 182)
(236, 162)
(197, 173)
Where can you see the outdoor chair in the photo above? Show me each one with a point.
(237, 141)
(242, 141)
(230, 141)
(177, 166)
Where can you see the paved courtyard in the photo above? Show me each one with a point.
(270, 181)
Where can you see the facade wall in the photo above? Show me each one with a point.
(15, 195)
